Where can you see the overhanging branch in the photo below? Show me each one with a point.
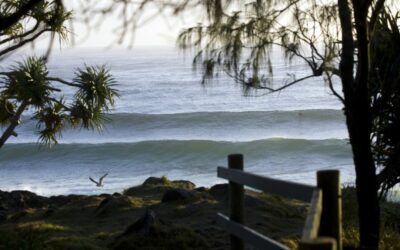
(8, 21)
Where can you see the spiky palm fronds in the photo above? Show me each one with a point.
(28, 85)
(86, 116)
(96, 95)
(51, 119)
(28, 81)
(96, 87)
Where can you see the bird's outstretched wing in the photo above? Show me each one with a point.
(90, 178)
(101, 178)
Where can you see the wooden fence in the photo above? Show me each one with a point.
(322, 229)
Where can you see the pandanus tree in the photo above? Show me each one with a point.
(28, 85)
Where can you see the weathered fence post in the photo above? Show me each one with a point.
(236, 199)
(331, 218)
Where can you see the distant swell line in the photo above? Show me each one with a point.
(128, 127)
(175, 148)
(194, 117)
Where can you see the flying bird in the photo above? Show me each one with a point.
(100, 182)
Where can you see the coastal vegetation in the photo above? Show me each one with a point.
(112, 221)
(29, 86)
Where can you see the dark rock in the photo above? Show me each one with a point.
(176, 194)
(219, 190)
(18, 200)
(75, 197)
(155, 181)
(200, 189)
(60, 200)
(3, 216)
(112, 205)
(104, 195)
(116, 194)
(143, 225)
(104, 202)
(164, 182)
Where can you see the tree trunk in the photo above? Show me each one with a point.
(359, 125)
(366, 180)
(14, 122)
(358, 119)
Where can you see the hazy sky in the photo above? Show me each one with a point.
(159, 31)
(156, 32)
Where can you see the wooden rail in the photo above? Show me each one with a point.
(322, 228)
(257, 240)
(283, 188)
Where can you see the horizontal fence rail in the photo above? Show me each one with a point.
(249, 235)
(287, 189)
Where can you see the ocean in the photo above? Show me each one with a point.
(167, 124)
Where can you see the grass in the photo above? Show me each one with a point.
(39, 226)
(390, 222)
(29, 235)
(164, 237)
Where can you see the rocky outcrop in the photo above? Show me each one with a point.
(112, 204)
(143, 225)
(159, 184)
(176, 194)
(219, 190)
(20, 200)
(155, 181)
(60, 200)
(164, 181)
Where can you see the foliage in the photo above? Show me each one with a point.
(385, 92)
(44, 17)
(241, 43)
(390, 224)
(28, 85)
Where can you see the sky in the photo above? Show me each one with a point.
(157, 32)
(161, 30)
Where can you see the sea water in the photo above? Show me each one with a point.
(166, 123)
